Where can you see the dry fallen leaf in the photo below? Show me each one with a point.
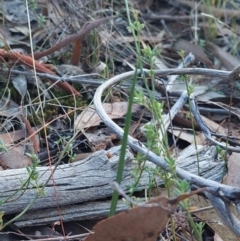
(217, 237)
(228, 60)
(89, 116)
(144, 222)
(200, 55)
(232, 178)
(15, 158)
(15, 12)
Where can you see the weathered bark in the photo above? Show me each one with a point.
(83, 182)
(76, 212)
(78, 182)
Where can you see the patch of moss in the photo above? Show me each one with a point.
(61, 104)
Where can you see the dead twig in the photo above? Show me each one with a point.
(27, 60)
(79, 36)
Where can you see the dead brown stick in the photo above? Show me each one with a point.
(79, 36)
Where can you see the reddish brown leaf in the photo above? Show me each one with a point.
(143, 223)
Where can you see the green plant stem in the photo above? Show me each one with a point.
(194, 228)
(172, 229)
(127, 122)
(123, 147)
(20, 214)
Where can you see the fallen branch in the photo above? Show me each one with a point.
(82, 182)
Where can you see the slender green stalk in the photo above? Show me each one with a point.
(123, 147)
(20, 214)
(128, 119)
